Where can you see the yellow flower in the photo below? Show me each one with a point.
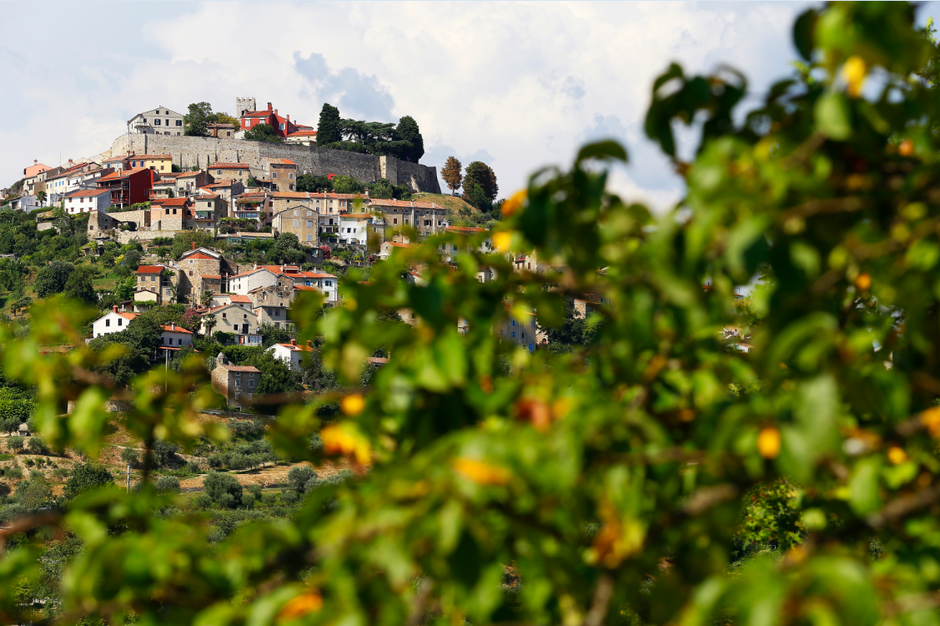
(768, 442)
(896, 455)
(502, 240)
(481, 473)
(514, 203)
(353, 404)
(854, 72)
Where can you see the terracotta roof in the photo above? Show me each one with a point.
(128, 316)
(395, 244)
(354, 216)
(465, 229)
(240, 368)
(239, 298)
(290, 194)
(295, 348)
(188, 174)
(149, 269)
(228, 166)
(282, 162)
(114, 159)
(256, 113)
(124, 174)
(207, 195)
(201, 255)
(305, 288)
(317, 275)
(405, 204)
(172, 202)
(213, 276)
(178, 329)
(302, 133)
(84, 193)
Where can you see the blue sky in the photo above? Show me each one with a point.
(518, 85)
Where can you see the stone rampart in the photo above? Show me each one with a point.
(188, 152)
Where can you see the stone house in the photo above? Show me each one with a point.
(221, 130)
(187, 183)
(253, 205)
(98, 222)
(301, 220)
(208, 208)
(169, 214)
(163, 189)
(425, 217)
(201, 270)
(273, 315)
(226, 189)
(230, 318)
(160, 279)
(283, 174)
(236, 383)
(238, 171)
(279, 294)
(281, 200)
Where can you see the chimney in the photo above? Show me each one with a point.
(172, 325)
(293, 342)
(269, 106)
(275, 111)
(114, 308)
(35, 161)
(194, 245)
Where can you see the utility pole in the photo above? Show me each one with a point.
(128, 478)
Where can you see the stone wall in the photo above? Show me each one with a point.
(127, 236)
(188, 152)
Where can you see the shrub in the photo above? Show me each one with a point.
(165, 453)
(85, 477)
(269, 499)
(298, 477)
(15, 444)
(289, 497)
(130, 457)
(254, 490)
(202, 502)
(166, 484)
(224, 489)
(37, 446)
(14, 471)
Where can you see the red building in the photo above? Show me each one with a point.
(128, 187)
(281, 125)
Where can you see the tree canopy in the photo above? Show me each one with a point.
(408, 131)
(699, 460)
(452, 174)
(197, 119)
(263, 132)
(329, 128)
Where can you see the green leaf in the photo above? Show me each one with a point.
(833, 116)
(602, 150)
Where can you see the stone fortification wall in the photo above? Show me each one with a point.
(127, 236)
(188, 152)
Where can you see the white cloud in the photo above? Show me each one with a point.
(517, 84)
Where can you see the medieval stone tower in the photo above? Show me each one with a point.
(244, 104)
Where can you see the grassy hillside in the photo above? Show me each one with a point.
(449, 202)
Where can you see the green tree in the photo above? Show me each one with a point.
(223, 489)
(480, 174)
(311, 183)
(329, 127)
(52, 278)
(79, 286)
(34, 492)
(41, 197)
(197, 119)
(408, 131)
(263, 132)
(85, 477)
(345, 183)
(452, 174)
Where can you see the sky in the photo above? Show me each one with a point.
(519, 86)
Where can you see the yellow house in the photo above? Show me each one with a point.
(162, 163)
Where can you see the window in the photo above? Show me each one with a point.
(179, 122)
(251, 383)
(395, 220)
(309, 223)
(224, 315)
(290, 176)
(296, 223)
(107, 322)
(309, 237)
(156, 122)
(153, 278)
(274, 175)
(281, 126)
(238, 382)
(120, 322)
(514, 334)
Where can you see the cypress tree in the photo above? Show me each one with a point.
(408, 131)
(329, 127)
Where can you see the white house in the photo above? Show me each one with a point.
(326, 283)
(242, 283)
(88, 200)
(175, 337)
(113, 322)
(354, 228)
(25, 203)
(290, 353)
(159, 121)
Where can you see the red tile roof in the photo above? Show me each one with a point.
(178, 329)
(228, 166)
(239, 298)
(149, 269)
(212, 276)
(200, 255)
(123, 174)
(188, 174)
(302, 133)
(172, 202)
(282, 162)
(84, 193)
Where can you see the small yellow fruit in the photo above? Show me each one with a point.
(768, 442)
(896, 455)
(906, 148)
(854, 72)
(353, 404)
(514, 203)
(502, 240)
(863, 282)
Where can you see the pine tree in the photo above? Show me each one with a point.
(452, 174)
(408, 131)
(329, 128)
